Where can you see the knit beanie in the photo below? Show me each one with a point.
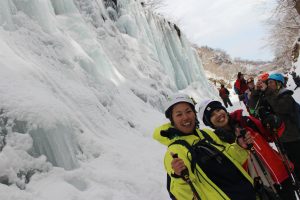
(212, 106)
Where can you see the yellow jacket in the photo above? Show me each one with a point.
(205, 187)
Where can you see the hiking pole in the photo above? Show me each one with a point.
(283, 154)
(264, 171)
(262, 167)
(259, 186)
(185, 176)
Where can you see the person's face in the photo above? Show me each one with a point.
(250, 85)
(219, 118)
(184, 118)
(261, 85)
(272, 85)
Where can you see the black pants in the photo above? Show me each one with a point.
(292, 150)
(286, 190)
(227, 101)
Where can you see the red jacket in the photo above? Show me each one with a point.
(223, 93)
(270, 158)
(241, 86)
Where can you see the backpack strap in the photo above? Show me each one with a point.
(190, 150)
(257, 104)
(188, 146)
(207, 137)
(210, 139)
(169, 187)
(193, 163)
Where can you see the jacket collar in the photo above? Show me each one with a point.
(167, 134)
(284, 91)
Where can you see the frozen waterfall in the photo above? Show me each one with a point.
(84, 76)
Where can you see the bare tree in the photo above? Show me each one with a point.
(285, 26)
(290, 4)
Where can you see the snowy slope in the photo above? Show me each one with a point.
(82, 85)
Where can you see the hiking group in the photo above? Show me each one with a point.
(234, 158)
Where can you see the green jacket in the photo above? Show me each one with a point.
(205, 187)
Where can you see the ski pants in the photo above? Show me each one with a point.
(285, 191)
(293, 153)
(226, 101)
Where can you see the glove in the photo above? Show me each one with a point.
(272, 122)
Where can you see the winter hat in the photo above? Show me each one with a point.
(206, 108)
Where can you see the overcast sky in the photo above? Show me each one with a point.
(238, 27)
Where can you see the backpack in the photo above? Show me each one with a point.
(227, 92)
(192, 149)
(192, 152)
(236, 90)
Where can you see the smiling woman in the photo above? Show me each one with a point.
(264, 163)
(184, 118)
(181, 112)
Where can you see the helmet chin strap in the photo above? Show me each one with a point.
(278, 86)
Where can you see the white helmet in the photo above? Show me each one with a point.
(206, 107)
(174, 99)
(201, 108)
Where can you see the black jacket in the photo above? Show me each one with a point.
(259, 105)
(283, 104)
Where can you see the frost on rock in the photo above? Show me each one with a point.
(17, 166)
(126, 25)
(57, 143)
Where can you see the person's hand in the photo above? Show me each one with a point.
(244, 138)
(263, 86)
(177, 165)
(260, 85)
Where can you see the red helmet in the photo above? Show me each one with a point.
(263, 77)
